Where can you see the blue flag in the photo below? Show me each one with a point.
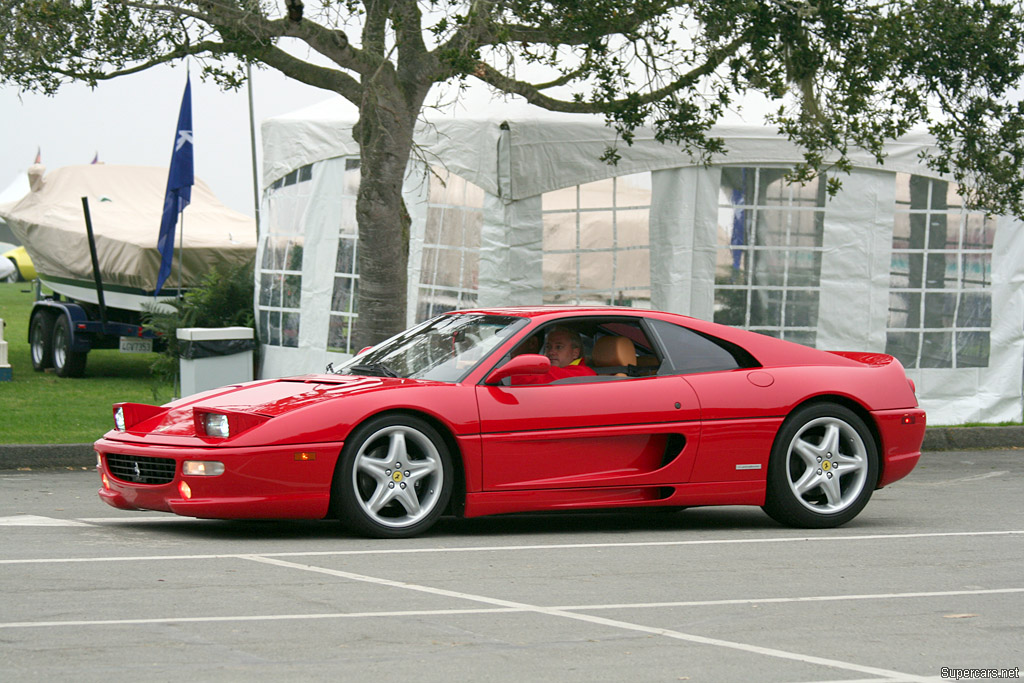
(179, 185)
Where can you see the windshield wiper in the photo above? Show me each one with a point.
(372, 369)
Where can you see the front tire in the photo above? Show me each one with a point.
(40, 340)
(823, 468)
(394, 478)
(66, 363)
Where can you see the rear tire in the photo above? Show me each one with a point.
(823, 468)
(66, 363)
(40, 340)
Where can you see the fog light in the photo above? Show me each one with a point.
(185, 490)
(216, 424)
(119, 419)
(99, 461)
(202, 468)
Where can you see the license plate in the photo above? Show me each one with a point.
(136, 345)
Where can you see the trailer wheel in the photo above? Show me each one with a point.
(66, 363)
(40, 340)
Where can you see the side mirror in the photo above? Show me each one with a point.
(526, 364)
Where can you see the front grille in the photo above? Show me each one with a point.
(140, 469)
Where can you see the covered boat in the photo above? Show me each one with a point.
(125, 203)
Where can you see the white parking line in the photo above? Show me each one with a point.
(507, 548)
(498, 610)
(37, 521)
(601, 621)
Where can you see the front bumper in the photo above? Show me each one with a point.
(271, 482)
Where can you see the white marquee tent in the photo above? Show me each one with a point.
(519, 209)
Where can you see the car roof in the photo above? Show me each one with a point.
(561, 311)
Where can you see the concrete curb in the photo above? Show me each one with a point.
(81, 455)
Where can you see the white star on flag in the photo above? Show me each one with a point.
(183, 137)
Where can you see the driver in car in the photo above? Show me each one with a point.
(564, 348)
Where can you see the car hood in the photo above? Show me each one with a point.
(263, 400)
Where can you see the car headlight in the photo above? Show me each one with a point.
(217, 425)
(119, 418)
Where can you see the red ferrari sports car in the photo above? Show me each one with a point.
(458, 415)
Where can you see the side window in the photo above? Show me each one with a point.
(689, 351)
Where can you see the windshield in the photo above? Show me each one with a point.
(444, 349)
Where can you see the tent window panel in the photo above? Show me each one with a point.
(470, 275)
(453, 227)
(559, 231)
(597, 229)
(274, 328)
(770, 235)
(339, 334)
(343, 296)
(775, 190)
(349, 225)
(597, 269)
(974, 310)
(290, 329)
(936, 350)
(904, 310)
(597, 242)
(940, 279)
(634, 269)
(980, 232)
(905, 346)
(766, 308)
(976, 271)
(442, 266)
(801, 310)
(266, 288)
(346, 261)
(633, 228)
(291, 292)
(906, 270)
(598, 194)
(972, 349)
(901, 231)
(939, 310)
(731, 306)
(805, 337)
(559, 272)
(450, 262)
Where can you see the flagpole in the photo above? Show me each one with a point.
(181, 247)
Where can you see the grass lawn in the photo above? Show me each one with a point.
(39, 407)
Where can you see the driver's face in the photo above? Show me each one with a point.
(559, 350)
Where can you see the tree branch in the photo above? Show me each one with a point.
(531, 92)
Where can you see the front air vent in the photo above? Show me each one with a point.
(140, 469)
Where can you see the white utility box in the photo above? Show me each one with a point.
(212, 357)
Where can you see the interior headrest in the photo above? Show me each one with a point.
(614, 352)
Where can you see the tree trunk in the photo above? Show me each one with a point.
(384, 133)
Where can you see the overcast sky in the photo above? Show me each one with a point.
(132, 121)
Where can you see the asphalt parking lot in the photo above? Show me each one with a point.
(927, 580)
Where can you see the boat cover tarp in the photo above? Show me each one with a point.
(125, 203)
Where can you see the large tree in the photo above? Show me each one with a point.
(843, 74)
